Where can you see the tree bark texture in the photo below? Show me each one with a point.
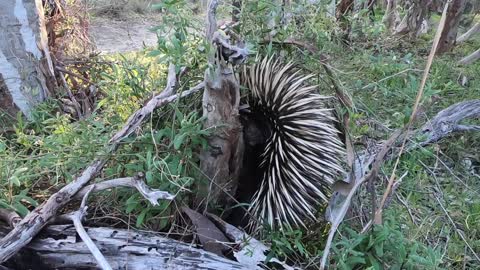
(343, 8)
(221, 162)
(417, 12)
(470, 58)
(58, 247)
(449, 33)
(25, 63)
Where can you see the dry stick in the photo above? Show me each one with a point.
(152, 195)
(77, 217)
(379, 157)
(378, 213)
(378, 160)
(24, 232)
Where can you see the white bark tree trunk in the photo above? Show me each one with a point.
(25, 64)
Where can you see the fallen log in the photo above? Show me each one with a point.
(59, 247)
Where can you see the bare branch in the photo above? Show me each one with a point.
(336, 211)
(152, 195)
(137, 117)
(448, 121)
(77, 217)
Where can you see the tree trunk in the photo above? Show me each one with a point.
(344, 7)
(25, 63)
(449, 33)
(391, 17)
(417, 11)
(221, 162)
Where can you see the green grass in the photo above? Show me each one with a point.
(436, 201)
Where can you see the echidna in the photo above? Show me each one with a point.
(300, 149)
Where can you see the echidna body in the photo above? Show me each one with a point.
(302, 153)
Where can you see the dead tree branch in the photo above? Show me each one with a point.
(29, 227)
(77, 217)
(123, 249)
(448, 121)
(152, 195)
(470, 58)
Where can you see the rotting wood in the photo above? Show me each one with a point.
(449, 33)
(123, 249)
(448, 121)
(9, 217)
(220, 162)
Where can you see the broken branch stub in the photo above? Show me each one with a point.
(221, 162)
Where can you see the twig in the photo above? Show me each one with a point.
(76, 105)
(447, 121)
(370, 222)
(152, 195)
(137, 117)
(357, 181)
(77, 217)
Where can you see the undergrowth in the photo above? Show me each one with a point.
(436, 202)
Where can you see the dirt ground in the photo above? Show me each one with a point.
(114, 35)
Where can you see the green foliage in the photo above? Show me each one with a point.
(384, 247)
(380, 73)
(179, 41)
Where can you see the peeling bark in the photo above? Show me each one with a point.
(221, 162)
(25, 63)
(58, 247)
